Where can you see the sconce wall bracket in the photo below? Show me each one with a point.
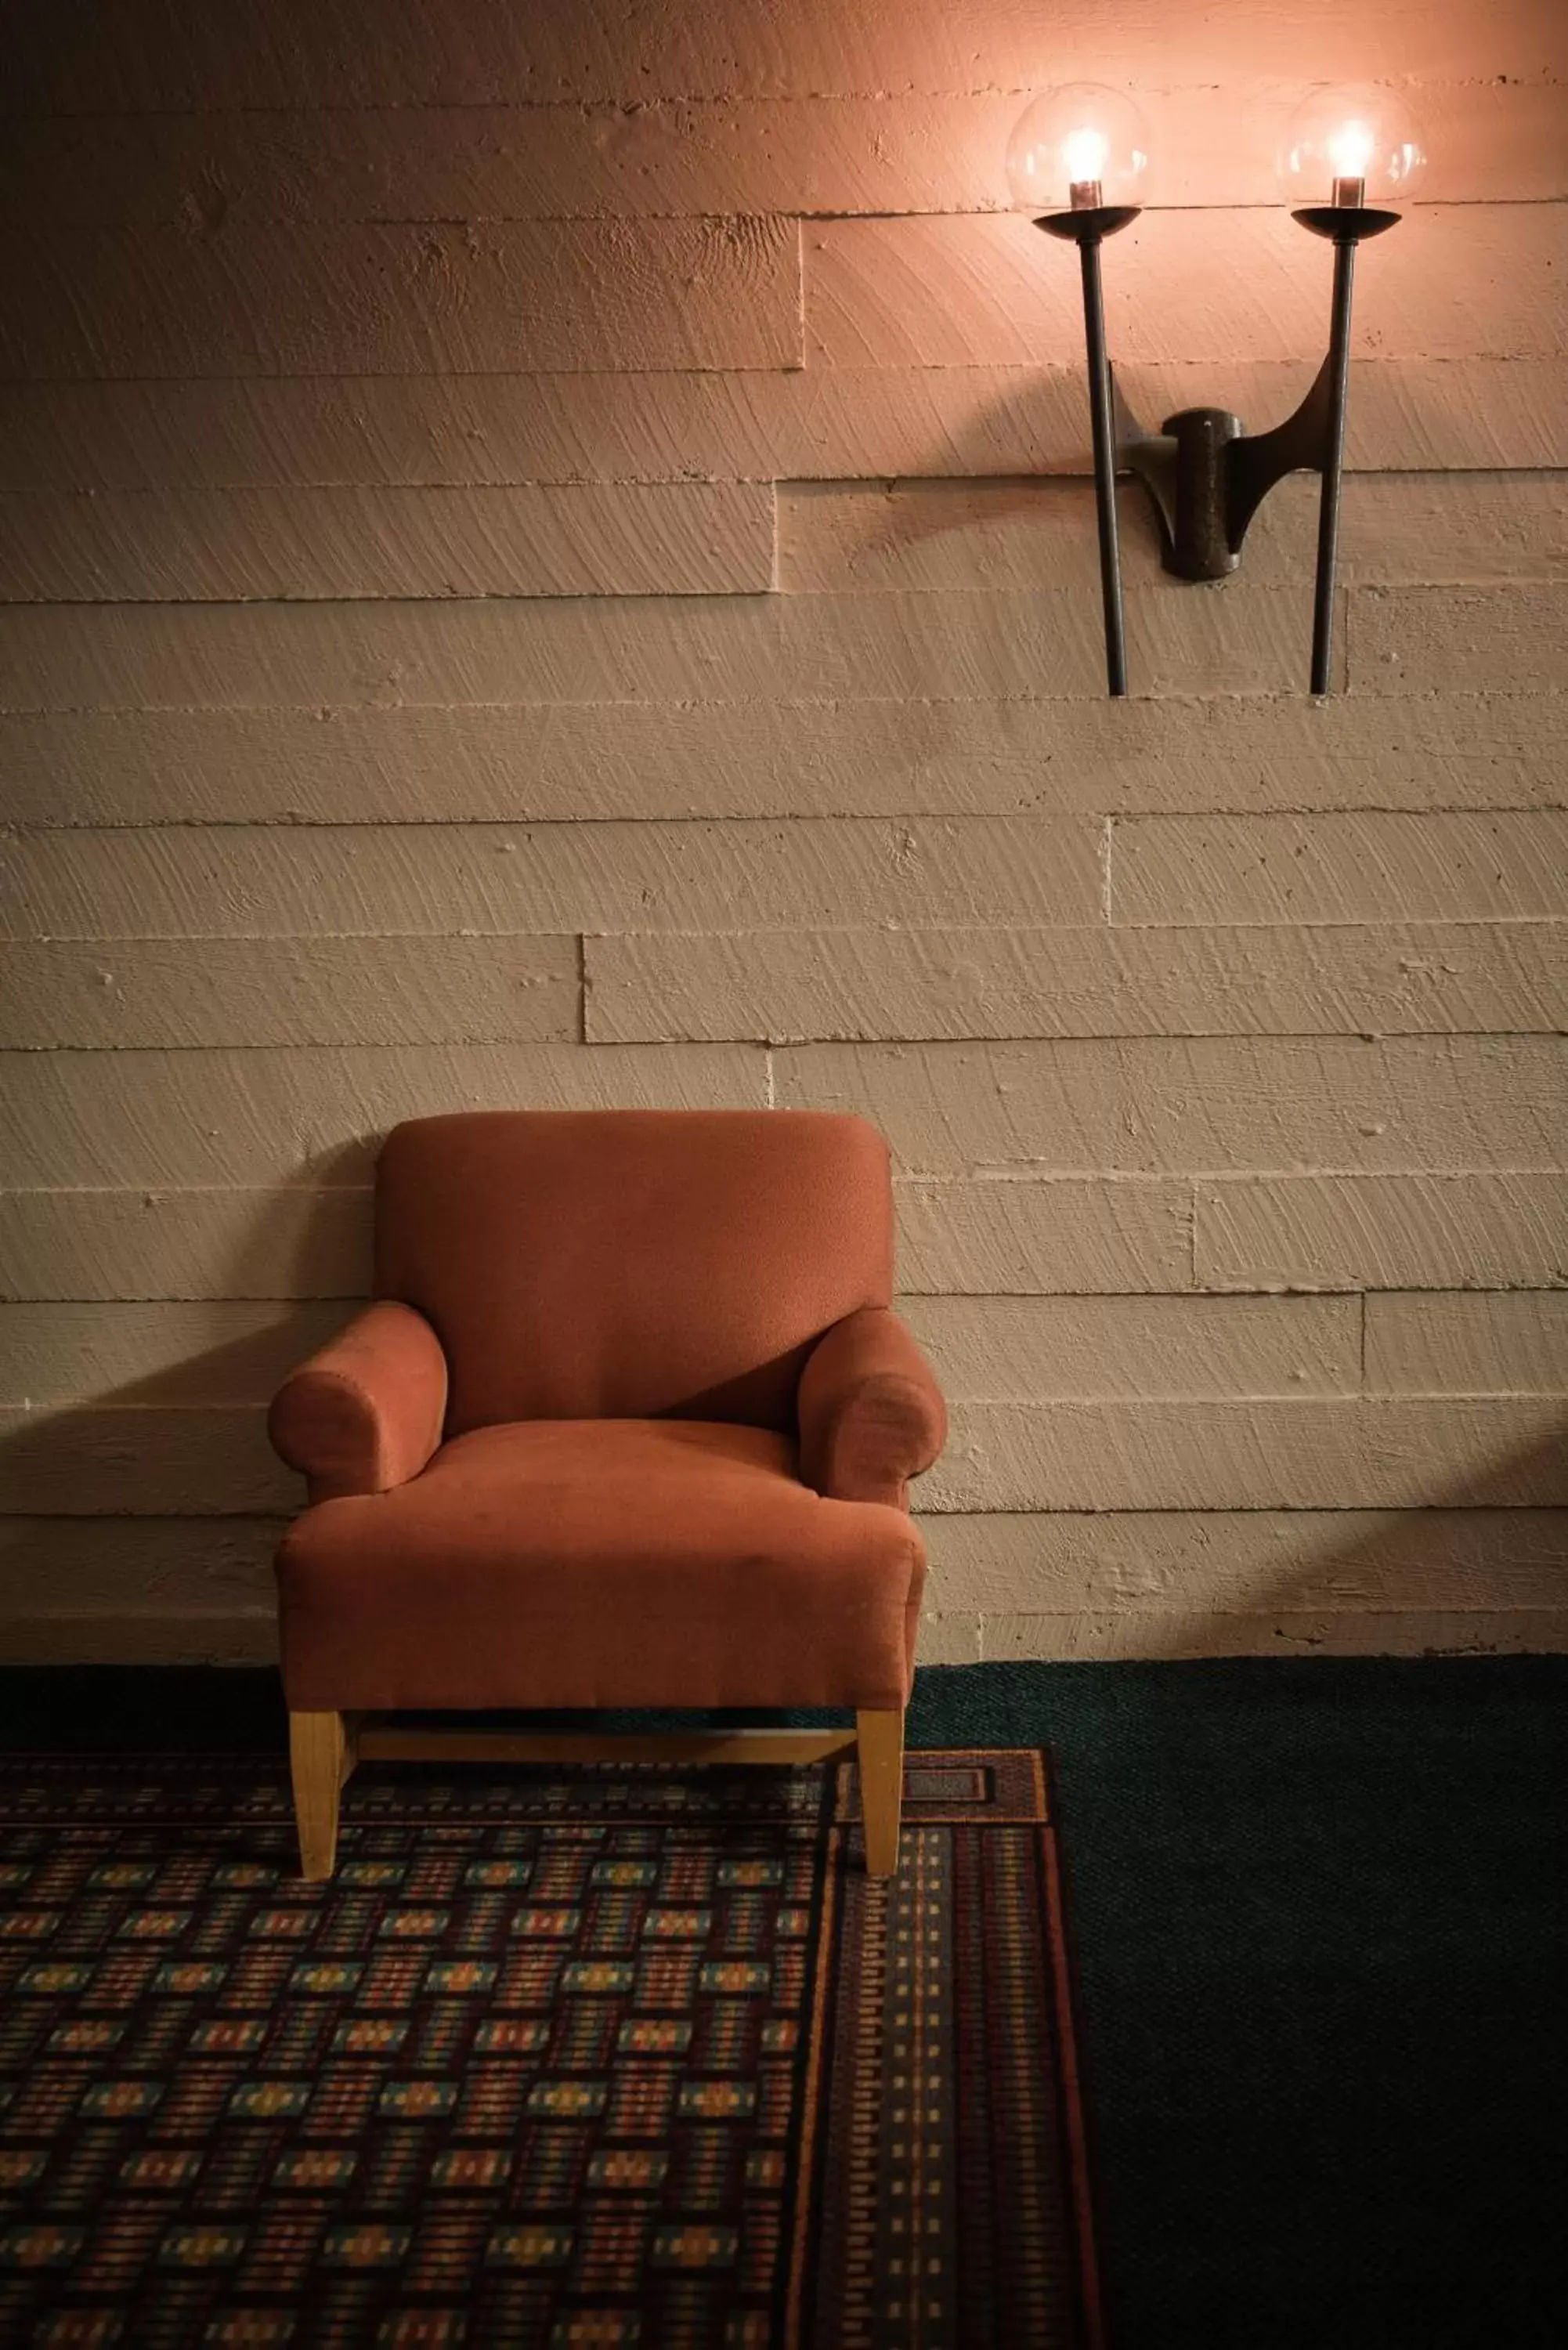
(1205, 473)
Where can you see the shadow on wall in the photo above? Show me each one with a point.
(163, 1455)
(189, 1437)
(1479, 1567)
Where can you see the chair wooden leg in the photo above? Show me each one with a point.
(880, 1739)
(317, 1750)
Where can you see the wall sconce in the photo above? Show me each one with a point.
(1207, 474)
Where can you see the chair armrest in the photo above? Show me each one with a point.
(366, 1412)
(871, 1414)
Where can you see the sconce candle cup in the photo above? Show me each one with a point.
(1205, 473)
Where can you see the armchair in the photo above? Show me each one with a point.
(630, 1423)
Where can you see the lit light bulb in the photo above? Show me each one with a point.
(1350, 150)
(1345, 145)
(1084, 156)
(1079, 146)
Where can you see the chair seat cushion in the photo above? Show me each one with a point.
(602, 1562)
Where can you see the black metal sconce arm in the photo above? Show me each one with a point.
(1206, 473)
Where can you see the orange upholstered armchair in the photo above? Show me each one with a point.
(630, 1423)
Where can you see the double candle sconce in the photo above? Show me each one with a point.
(1206, 473)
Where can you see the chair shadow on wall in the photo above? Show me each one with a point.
(188, 1438)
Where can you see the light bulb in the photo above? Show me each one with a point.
(1078, 147)
(1345, 146)
(1350, 150)
(1084, 156)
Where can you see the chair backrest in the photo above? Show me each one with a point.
(631, 1263)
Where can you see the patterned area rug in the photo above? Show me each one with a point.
(559, 2058)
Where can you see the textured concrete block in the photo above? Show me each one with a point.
(811, 986)
(146, 1460)
(187, 546)
(1154, 1106)
(1420, 1453)
(1028, 1347)
(171, 1120)
(1412, 528)
(1408, 1230)
(870, 424)
(135, 992)
(1033, 1237)
(1371, 868)
(985, 291)
(406, 880)
(511, 761)
(1418, 1632)
(488, 296)
(1512, 1343)
(214, 1351)
(283, 1241)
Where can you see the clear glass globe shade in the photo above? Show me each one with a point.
(1076, 140)
(1349, 133)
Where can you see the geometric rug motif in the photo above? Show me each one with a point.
(561, 2059)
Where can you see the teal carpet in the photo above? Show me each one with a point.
(1320, 1912)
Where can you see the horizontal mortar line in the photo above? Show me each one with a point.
(443, 375)
(1135, 1398)
(137, 1517)
(1306, 1397)
(159, 1190)
(1042, 1297)
(281, 1517)
(477, 934)
(1530, 1287)
(913, 1037)
(1211, 1509)
(1149, 589)
(1221, 922)
(564, 931)
(1376, 1174)
(1352, 1604)
(310, 220)
(175, 486)
(818, 374)
(1517, 1289)
(28, 829)
(749, 1042)
(610, 103)
(976, 1297)
(376, 601)
(1155, 586)
(1025, 1175)
(825, 484)
(956, 930)
(1264, 699)
(88, 491)
(1064, 1297)
(1129, 1400)
(1051, 476)
(162, 1188)
(1026, 371)
(351, 1300)
(790, 1044)
(1087, 820)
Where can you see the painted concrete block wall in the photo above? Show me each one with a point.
(544, 559)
